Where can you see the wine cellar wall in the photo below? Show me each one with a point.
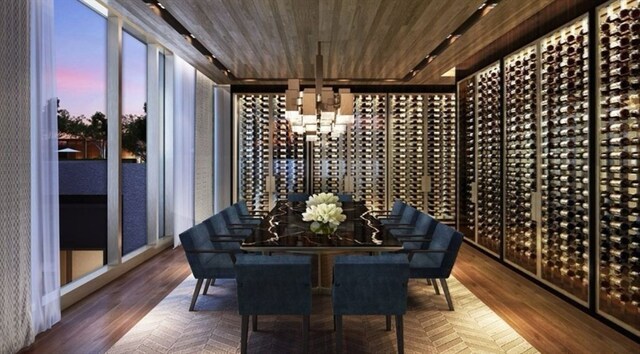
(619, 161)
(466, 158)
(521, 164)
(387, 153)
(368, 150)
(565, 158)
(441, 157)
(489, 159)
(329, 163)
(253, 150)
(288, 153)
(407, 124)
(571, 170)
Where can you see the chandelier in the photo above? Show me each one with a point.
(318, 110)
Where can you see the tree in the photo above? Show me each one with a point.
(92, 130)
(134, 135)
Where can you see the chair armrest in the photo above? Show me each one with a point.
(252, 217)
(397, 224)
(231, 253)
(399, 227)
(260, 212)
(412, 238)
(239, 227)
(412, 252)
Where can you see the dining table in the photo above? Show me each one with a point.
(284, 230)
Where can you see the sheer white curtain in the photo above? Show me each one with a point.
(45, 240)
(184, 91)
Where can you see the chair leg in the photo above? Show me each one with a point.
(195, 294)
(428, 281)
(445, 288)
(435, 286)
(388, 318)
(254, 323)
(400, 334)
(206, 287)
(305, 333)
(338, 334)
(244, 334)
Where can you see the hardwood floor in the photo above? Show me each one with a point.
(551, 325)
(95, 324)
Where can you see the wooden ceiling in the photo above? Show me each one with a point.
(365, 40)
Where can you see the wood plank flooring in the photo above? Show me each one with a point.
(547, 322)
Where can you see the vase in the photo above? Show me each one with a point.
(323, 228)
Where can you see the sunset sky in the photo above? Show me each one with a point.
(80, 50)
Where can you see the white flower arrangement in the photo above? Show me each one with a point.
(323, 198)
(324, 213)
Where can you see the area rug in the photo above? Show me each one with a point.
(215, 326)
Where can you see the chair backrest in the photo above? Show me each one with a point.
(203, 264)
(444, 238)
(217, 225)
(242, 208)
(409, 215)
(231, 215)
(398, 207)
(345, 197)
(273, 285)
(297, 197)
(425, 225)
(370, 285)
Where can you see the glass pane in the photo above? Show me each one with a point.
(134, 143)
(81, 72)
(161, 87)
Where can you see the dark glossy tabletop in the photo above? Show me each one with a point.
(283, 229)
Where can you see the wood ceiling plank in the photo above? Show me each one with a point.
(368, 39)
(505, 17)
(141, 16)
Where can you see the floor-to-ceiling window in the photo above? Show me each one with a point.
(80, 56)
(134, 143)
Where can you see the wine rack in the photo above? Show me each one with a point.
(407, 152)
(329, 163)
(489, 158)
(619, 162)
(441, 156)
(368, 150)
(288, 153)
(521, 143)
(565, 163)
(467, 157)
(254, 154)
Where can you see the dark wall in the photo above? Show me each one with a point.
(85, 182)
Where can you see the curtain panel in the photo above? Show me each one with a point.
(45, 227)
(184, 91)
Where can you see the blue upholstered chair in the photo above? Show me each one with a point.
(273, 285)
(208, 259)
(415, 236)
(370, 285)
(233, 218)
(345, 197)
(244, 212)
(297, 197)
(407, 219)
(393, 215)
(218, 226)
(437, 261)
